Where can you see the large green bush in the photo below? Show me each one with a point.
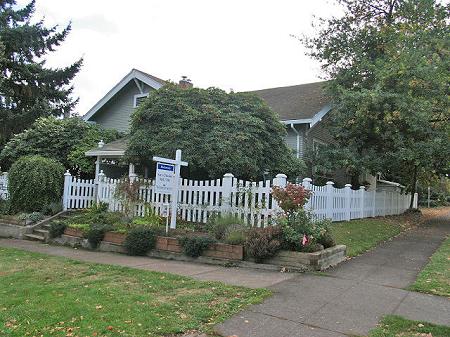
(140, 240)
(35, 182)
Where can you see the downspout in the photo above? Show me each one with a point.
(298, 139)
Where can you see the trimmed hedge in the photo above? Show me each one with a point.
(35, 182)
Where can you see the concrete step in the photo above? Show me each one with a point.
(43, 232)
(34, 237)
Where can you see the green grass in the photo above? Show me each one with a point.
(362, 234)
(395, 326)
(435, 277)
(42, 295)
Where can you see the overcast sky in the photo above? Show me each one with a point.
(232, 44)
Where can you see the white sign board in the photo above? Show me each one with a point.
(165, 178)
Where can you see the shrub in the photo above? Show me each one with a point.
(291, 198)
(263, 243)
(5, 207)
(326, 240)
(235, 238)
(151, 219)
(220, 225)
(298, 224)
(96, 234)
(195, 245)
(35, 182)
(84, 227)
(140, 240)
(312, 248)
(52, 208)
(31, 217)
(57, 228)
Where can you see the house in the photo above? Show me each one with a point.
(300, 107)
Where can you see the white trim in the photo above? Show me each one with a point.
(133, 74)
(95, 153)
(311, 121)
(138, 84)
(318, 116)
(298, 139)
(136, 97)
(297, 121)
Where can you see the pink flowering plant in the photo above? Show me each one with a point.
(300, 231)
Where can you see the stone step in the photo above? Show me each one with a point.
(34, 237)
(43, 232)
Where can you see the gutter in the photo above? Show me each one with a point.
(298, 138)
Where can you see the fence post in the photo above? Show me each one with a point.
(374, 204)
(306, 183)
(101, 180)
(348, 200)
(329, 211)
(362, 191)
(280, 180)
(67, 189)
(227, 185)
(416, 200)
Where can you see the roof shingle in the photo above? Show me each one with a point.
(295, 102)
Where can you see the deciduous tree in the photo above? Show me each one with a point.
(388, 62)
(218, 132)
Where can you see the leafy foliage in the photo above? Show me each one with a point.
(195, 245)
(96, 233)
(218, 132)
(57, 228)
(128, 193)
(140, 240)
(52, 208)
(5, 207)
(65, 140)
(291, 198)
(299, 224)
(263, 243)
(29, 89)
(236, 237)
(34, 182)
(30, 218)
(388, 61)
(219, 226)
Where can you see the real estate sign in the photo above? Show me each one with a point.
(165, 178)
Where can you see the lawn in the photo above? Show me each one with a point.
(395, 326)
(435, 277)
(362, 234)
(42, 295)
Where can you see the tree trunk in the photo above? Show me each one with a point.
(413, 187)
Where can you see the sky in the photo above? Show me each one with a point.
(240, 45)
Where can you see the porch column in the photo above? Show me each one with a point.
(97, 167)
(131, 174)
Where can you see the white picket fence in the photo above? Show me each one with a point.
(252, 201)
(3, 185)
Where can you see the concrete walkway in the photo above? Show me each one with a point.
(348, 300)
(352, 298)
(250, 278)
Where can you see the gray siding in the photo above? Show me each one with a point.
(291, 138)
(117, 112)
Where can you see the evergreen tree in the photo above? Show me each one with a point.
(29, 89)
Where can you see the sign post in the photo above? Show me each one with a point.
(168, 181)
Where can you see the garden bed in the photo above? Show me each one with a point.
(316, 261)
(74, 232)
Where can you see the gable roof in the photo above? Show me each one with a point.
(134, 74)
(300, 103)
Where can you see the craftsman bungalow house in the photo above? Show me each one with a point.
(300, 107)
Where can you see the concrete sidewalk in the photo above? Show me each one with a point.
(251, 278)
(352, 298)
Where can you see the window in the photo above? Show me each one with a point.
(138, 99)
